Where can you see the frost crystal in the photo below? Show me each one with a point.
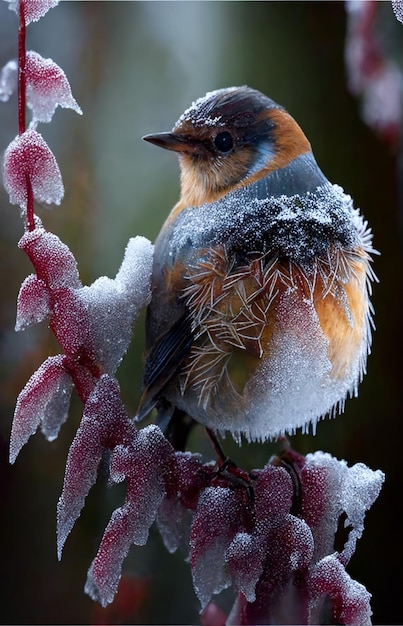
(33, 9)
(28, 157)
(47, 88)
(8, 80)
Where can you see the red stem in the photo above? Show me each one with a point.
(22, 100)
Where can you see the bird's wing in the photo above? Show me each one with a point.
(163, 361)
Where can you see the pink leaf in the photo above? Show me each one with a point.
(45, 399)
(32, 303)
(349, 600)
(54, 263)
(103, 426)
(143, 464)
(29, 157)
(273, 493)
(70, 323)
(213, 616)
(218, 518)
(33, 9)
(47, 88)
(330, 489)
(245, 557)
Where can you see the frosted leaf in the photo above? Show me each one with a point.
(69, 322)
(217, 520)
(143, 464)
(330, 488)
(104, 424)
(273, 493)
(114, 305)
(397, 6)
(47, 88)
(57, 269)
(245, 557)
(54, 263)
(33, 9)
(58, 408)
(44, 400)
(32, 303)
(350, 601)
(8, 80)
(28, 156)
(174, 522)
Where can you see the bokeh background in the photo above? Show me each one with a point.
(134, 67)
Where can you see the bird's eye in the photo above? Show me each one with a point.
(223, 142)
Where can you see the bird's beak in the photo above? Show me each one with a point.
(172, 141)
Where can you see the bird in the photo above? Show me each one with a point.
(260, 317)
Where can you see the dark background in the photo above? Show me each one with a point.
(134, 67)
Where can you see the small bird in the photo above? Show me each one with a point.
(260, 319)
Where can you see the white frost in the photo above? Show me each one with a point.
(349, 490)
(114, 304)
(44, 402)
(8, 80)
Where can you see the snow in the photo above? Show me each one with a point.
(197, 112)
(113, 305)
(8, 80)
(47, 88)
(28, 155)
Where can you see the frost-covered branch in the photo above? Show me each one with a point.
(273, 542)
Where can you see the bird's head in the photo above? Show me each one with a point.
(230, 138)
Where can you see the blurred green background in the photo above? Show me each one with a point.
(134, 67)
